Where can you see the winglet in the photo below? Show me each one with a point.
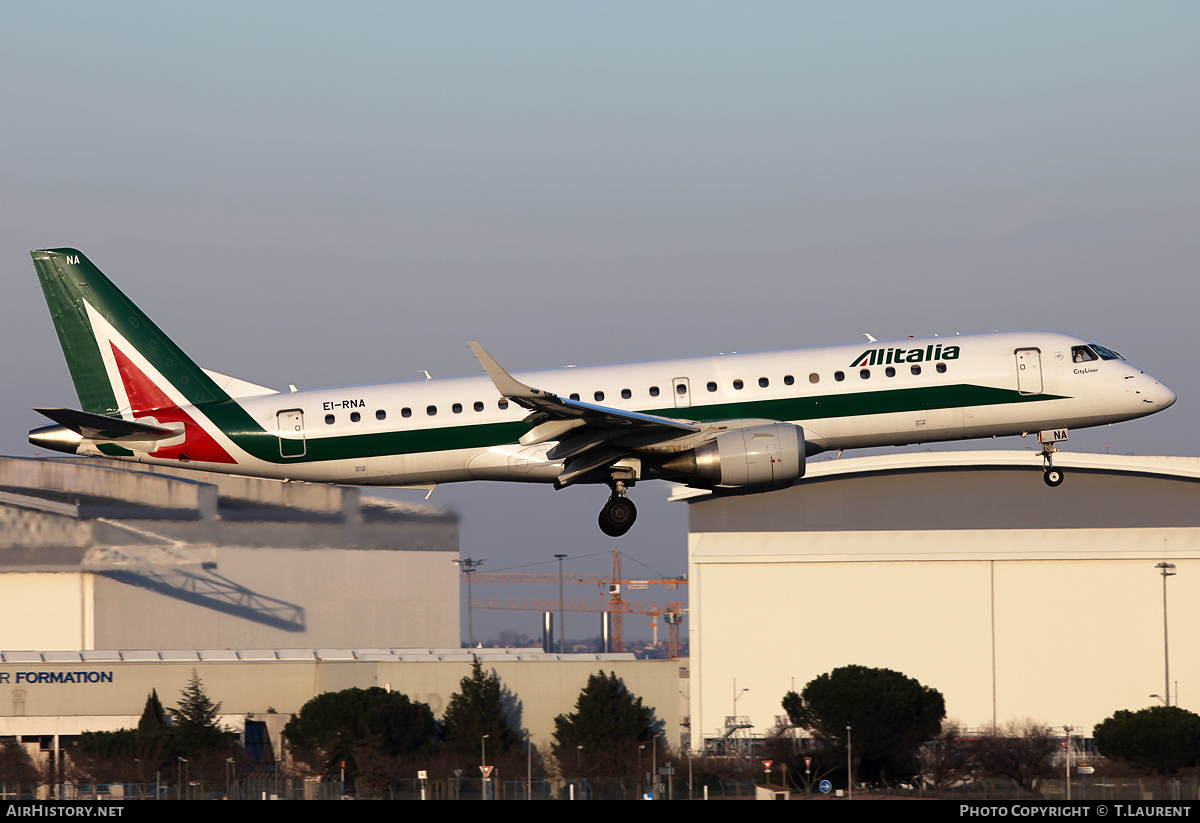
(504, 382)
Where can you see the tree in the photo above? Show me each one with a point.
(197, 732)
(1163, 738)
(154, 718)
(1023, 751)
(17, 770)
(949, 757)
(126, 754)
(477, 709)
(604, 732)
(890, 716)
(368, 729)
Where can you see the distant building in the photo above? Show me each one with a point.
(97, 555)
(961, 569)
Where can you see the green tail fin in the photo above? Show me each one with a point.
(95, 321)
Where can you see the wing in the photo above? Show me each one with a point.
(591, 438)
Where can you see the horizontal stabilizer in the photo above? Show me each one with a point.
(102, 427)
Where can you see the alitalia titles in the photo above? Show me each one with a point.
(882, 357)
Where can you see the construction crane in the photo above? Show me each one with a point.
(616, 606)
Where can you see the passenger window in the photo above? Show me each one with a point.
(626, 394)
(864, 374)
(814, 378)
(681, 389)
(788, 380)
(503, 404)
(712, 386)
(763, 382)
(599, 396)
(654, 391)
(355, 417)
(839, 376)
(456, 408)
(406, 412)
(380, 415)
(431, 410)
(941, 368)
(329, 419)
(889, 371)
(737, 384)
(478, 406)
(574, 395)
(916, 369)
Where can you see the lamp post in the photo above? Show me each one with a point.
(736, 695)
(179, 775)
(483, 763)
(1067, 732)
(849, 767)
(469, 566)
(1168, 570)
(562, 626)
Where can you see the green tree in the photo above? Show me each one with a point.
(154, 718)
(475, 710)
(368, 729)
(1162, 738)
(126, 754)
(602, 735)
(890, 716)
(197, 732)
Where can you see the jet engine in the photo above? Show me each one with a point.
(769, 456)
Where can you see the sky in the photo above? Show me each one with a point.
(334, 194)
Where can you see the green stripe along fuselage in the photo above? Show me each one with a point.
(264, 445)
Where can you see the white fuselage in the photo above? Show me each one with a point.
(456, 429)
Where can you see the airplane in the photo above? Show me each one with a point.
(730, 423)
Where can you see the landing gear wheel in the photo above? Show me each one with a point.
(1053, 477)
(617, 516)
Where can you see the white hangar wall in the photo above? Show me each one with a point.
(101, 555)
(962, 570)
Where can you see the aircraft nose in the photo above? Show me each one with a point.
(1166, 397)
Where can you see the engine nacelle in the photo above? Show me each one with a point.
(770, 456)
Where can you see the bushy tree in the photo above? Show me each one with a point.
(602, 735)
(154, 718)
(475, 710)
(1162, 738)
(368, 729)
(126, 754)
(890, 715)
(197, 731)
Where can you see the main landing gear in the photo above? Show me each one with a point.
(619, 513)
(1052, 476)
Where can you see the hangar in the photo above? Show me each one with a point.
(961, 569)
(99, 555)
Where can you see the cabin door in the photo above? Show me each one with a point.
(291, 433)
(1029, 371)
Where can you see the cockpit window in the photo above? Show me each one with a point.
(1083, 354)
(1107, 354)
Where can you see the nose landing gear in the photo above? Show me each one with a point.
(619, 513)
(1048, 439)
